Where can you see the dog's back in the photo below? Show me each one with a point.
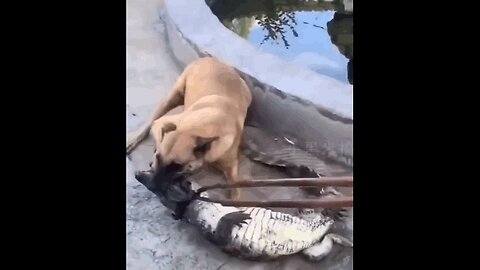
(209, 76)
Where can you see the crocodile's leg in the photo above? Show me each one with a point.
(320, 250)
(336, 214)
(329, 191)
(307, 214)
(302, 212)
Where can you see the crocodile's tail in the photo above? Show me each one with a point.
(291, 169)
(251, 150)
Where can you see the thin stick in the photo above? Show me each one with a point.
(340, 202)
(286, 182)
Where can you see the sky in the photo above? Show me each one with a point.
(312, 48)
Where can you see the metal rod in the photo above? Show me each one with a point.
(340, 202)
(286, 182)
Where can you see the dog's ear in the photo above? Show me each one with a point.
(203, 145)
(168, 127)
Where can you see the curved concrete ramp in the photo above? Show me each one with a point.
(314, 111)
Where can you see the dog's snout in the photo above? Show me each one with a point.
(156, 162)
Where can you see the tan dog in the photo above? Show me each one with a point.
(216, 100)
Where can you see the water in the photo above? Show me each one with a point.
(314, 34)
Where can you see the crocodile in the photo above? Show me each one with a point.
(250, 233)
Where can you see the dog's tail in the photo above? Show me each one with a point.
(202, 54)
(137, 139)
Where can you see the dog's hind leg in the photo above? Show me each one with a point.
(173, 99)
(232, 177)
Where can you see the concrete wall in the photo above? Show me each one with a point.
(312, 110)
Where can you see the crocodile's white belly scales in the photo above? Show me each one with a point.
(257, 232)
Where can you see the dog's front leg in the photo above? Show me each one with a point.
(232, 178)
(224, 152)
(230, 171)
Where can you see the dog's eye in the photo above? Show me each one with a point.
(197, 154)
(203, 145)
(201, 150)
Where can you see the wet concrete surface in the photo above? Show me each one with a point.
(154, 239)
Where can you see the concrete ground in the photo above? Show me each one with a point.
(154, 239)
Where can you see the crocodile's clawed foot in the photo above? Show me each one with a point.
(321, 192)
(340, 240)
(335, 214)
(329, 191)
(305, 211)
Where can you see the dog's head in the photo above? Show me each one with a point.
(181, 147)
